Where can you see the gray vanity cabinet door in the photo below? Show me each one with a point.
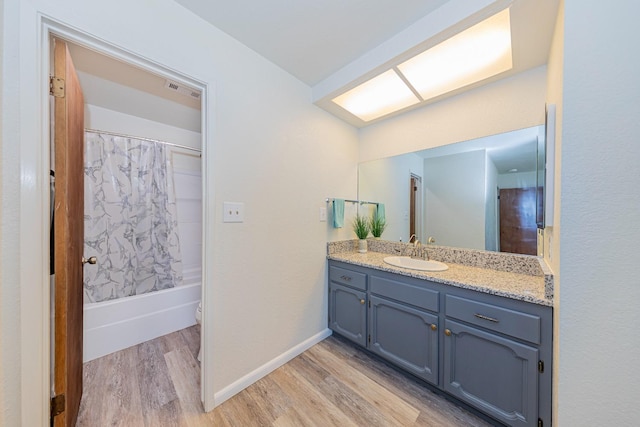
(348, 313)
(497, 375)
(406, 336)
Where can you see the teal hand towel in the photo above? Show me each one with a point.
(380, 211)
(338, 213)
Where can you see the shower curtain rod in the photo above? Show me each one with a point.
(185, 147)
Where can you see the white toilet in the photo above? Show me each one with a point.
(199, 322)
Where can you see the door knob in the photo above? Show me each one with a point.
(90, 260)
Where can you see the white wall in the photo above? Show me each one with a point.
(3, 351)
(491, 237)
(454, 201)
(551, 234)
(267, 146)
(510, 104)
(10, 363)
(388, 181)
(114, 121)
(598, 319)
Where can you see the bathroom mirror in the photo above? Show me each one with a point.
(477, 194)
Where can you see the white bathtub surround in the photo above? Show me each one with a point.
(121, 323)
(188, 186)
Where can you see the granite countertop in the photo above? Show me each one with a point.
(530, 284)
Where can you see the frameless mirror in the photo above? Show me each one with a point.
(477, 194)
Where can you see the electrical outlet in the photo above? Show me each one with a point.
(233, 212)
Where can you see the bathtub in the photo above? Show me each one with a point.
(114, 325)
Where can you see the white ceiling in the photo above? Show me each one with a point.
(312, 39)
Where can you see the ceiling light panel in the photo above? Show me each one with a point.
(475, 54)
(377, 97)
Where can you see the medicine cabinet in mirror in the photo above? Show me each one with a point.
(477, 194)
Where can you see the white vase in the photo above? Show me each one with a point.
(362, 246)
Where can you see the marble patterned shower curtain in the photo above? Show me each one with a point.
(130, 219)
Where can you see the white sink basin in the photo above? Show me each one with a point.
(416, 264)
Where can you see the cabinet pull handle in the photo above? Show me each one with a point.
(434, 327)
(346, 278)
(447, 332)
(361, 301)
(483, 317)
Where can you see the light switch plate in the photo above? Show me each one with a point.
(323, 214)
(233, 212)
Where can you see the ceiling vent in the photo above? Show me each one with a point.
(182, 89)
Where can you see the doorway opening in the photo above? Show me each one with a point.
(135, 114)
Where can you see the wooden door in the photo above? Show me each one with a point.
(68, 237)
(518, 230)
(412, 206)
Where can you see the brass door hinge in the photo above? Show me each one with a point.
(56, 87)
(57, 405)
(540, 366)
(539, 422)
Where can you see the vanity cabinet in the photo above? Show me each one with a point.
(348, 304)
(495, 373)
(490, 352)
(402, 329)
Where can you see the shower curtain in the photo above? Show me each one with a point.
(130, 218)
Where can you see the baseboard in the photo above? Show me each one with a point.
(268, 367)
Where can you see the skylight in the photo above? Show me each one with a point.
(475, 54)
(377, 97)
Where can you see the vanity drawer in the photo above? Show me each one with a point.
(506, 321)
(405, 292)
(348, 278)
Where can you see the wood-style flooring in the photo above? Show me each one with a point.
(157, 383)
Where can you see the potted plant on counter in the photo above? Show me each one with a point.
(361, 228)
(377, 226)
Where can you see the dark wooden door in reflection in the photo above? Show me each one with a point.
(518, 231)
(412, 206)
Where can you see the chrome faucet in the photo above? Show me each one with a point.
(416, 247)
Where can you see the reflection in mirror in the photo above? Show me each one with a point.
(478, 194)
